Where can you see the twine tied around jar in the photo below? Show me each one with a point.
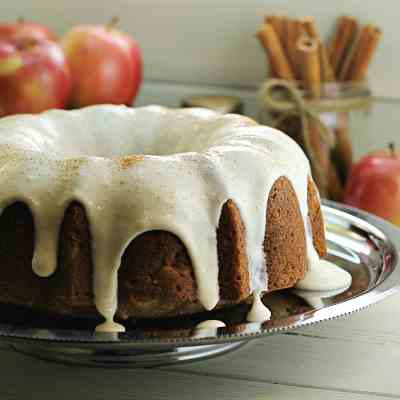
(286, 100)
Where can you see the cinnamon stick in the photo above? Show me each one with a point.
(327, 74)
(363, 53)
(310, 27)
(307, 49)
(343, 148)
(352, 56)
(264, 44)
(341, 44)
(310, 72)
(354, 69)
(283, 36)
(292, 33)
(273, 46)
(277, 21)
(296, 52)
(336, 43)
(342, 47)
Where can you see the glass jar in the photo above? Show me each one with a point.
(338, 109)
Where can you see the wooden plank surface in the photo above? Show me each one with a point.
(25, 378)
(359, 353)
(355, 358)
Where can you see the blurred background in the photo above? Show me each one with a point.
(208, 47)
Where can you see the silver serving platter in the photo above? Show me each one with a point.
(364, 245)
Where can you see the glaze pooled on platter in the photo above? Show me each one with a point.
(207, 328)
(149, 168)
(322, 275)
(211, 323)
(316, 299)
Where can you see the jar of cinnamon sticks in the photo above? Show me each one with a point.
(313, 87)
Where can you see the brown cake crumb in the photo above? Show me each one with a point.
(316, 219)
(285, 241)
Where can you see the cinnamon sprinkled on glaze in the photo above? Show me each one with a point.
(127, 161)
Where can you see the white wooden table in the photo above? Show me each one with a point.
(353, 358)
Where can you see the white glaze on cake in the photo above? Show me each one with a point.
(189, 163)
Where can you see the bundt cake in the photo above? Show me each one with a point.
(151, 212)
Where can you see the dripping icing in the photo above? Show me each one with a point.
(258, 312)
(110, 326)
(85, 164)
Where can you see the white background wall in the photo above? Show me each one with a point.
(208, 46)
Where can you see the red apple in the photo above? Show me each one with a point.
(106, 65)
(34, 76)
(24, 30)
(374, 185)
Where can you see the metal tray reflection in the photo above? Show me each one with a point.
(364, 245)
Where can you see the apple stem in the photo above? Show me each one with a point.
(392, 149)
(20, 20)
(114, 21)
